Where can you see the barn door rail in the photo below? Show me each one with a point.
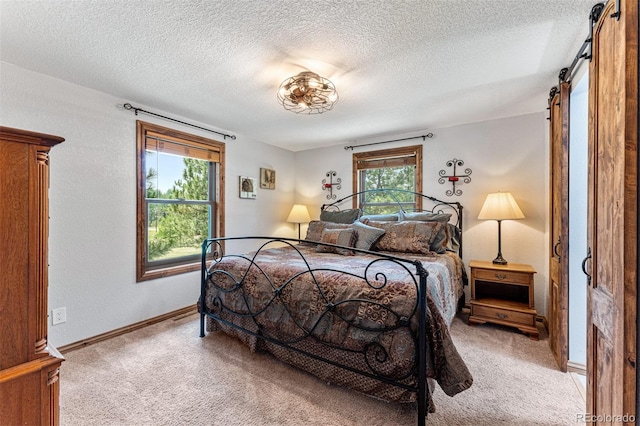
(585, 51)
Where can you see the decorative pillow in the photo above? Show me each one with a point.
(454, 238)
(367, 235)
(341, 237)
(441, 240)
(341, 216)
(314, 232)
(411, 237)
(425, 216)
(392, 217)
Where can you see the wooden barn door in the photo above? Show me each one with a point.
(558, 312)
(613, 201)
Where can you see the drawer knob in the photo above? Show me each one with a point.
(501, 276)
(501, 316)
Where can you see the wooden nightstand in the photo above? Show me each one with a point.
(503, 294)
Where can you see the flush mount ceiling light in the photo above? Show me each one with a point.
(307, 93)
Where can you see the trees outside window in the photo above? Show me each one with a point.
(180, 199)
(396, 168)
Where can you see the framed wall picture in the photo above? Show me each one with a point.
(248, 187)
(267, 178)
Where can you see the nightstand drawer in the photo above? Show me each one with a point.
(497, 314)
(502, 276)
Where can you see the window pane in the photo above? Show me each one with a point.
(176, 230)
(402, 178)
(387, 208)
(390, 177)
(173, 177)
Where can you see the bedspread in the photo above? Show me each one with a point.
(359, 311)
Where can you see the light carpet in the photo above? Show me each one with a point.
(165, 374)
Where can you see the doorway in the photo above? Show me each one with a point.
(578, 205)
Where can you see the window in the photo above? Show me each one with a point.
(396, 168)
(180, 199)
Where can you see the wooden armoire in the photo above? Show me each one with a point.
(29, 365)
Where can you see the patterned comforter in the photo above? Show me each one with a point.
(359, 311)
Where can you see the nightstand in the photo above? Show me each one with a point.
(503, 294)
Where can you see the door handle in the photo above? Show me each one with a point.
(584, 266)
(555, 248)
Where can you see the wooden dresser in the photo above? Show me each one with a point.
(29, 365)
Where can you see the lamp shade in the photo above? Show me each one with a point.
(500, 206)
(299, 214)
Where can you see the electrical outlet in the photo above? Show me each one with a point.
(59, 315)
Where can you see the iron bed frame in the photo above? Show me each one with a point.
(373, 354)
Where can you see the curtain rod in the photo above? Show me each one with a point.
(128, 106)
(424, 137)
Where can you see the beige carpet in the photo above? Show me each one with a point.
(165, 374)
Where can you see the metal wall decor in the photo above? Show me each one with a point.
(328, 186)
(454, 178)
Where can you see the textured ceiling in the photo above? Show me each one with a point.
(399, 66)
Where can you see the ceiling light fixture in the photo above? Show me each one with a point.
(307, 93)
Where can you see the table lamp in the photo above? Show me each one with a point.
(500, 206)
(299, 214)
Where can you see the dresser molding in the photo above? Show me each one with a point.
(29, 365)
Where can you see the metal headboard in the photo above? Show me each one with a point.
(427, 203)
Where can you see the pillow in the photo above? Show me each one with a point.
(424, 216)
(342, 237)
(454, 238)
(412, 237)
(367, 235)
(441, 239)
(381, 217)
(342, 216)
(314, 231)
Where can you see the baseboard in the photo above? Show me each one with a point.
(574, 367)
(129, 328)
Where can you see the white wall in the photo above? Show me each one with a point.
(92, 239)
(510, 154)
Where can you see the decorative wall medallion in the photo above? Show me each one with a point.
(328, 185)
(454, 178)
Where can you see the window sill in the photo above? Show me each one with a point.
(168, 271)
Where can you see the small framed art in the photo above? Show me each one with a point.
(248, 187)
(267, 178)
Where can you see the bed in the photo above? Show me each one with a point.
(364, 301)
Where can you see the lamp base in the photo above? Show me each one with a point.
(499, 260)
